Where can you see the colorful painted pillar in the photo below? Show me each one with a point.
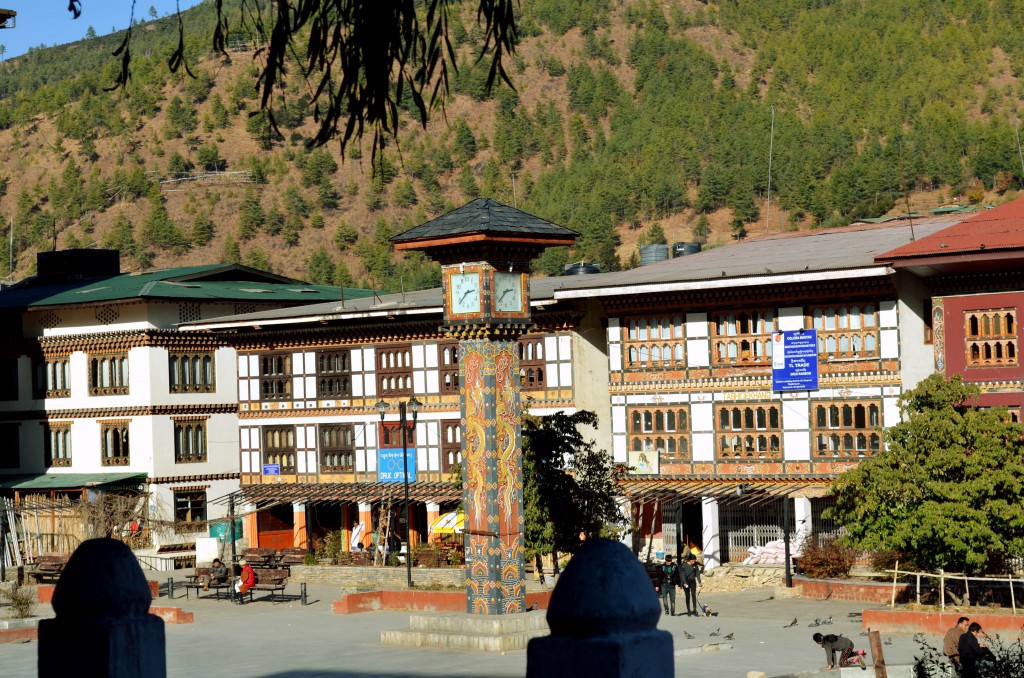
(492, 476)
(485, 249)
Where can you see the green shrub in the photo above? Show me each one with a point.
(20, 599)
(827, 560)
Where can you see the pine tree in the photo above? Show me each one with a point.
(257, 258)
(342, 276)
(232, 254)
(250, 215)
(320, 269)
(202, 229)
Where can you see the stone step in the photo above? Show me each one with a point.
(462, 631)
(459, 641)
(526, 622)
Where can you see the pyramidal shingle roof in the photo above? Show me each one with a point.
(484, 215)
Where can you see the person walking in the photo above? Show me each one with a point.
(951, 641)
(689, 573)
(669, 581)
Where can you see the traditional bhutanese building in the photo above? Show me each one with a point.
(100, 392)
(310, 378)
(676, 359)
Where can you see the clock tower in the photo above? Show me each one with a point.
(485, 249)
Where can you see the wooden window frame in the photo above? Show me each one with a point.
(990, 337)
(532, 364)
(451, 444)
(191, 436)
(846, 332)
(394, 371)
(275, 376)
(337, 447)
(108, 374)
(57, 439)
(749, 332)
(283, 454)
(390, 433)
(115, 443)
(664, 429)
(448, 367)
(191, 372)
(182, 523)
(646, 346)
(334, 373)
(837, 431)
(750, 427)
(52, 377)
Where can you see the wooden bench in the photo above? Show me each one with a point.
(292, 556)
(260, 557)
(198, 580)
(272, 580)
(49, 567)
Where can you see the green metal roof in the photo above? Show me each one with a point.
(215, 282)
(67, 481)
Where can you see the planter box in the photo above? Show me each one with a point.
(852, 589)
(422, 601)
(937, 623)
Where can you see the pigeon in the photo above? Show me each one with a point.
(827, 621)
(533, 607)
(728, 637)
(918, 637)
(688, 636)
(866, 632)
(888, 641)
(716, 632)
(791, 624)
(816, 622)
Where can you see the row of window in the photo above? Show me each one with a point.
(753, 431)
(108, 375)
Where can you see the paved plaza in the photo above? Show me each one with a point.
(265, 639)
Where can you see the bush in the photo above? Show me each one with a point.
(330, 546)
(20, 599)
(827, 560)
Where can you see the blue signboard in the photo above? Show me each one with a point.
(271, 469)
(391, 466)
(795, 360)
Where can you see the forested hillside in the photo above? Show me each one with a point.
(631, 121)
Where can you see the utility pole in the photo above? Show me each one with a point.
(771, 144)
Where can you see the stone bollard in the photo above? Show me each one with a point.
(103, 625)
(603, 617)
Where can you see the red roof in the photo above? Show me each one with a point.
(1001, 228)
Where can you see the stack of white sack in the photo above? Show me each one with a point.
(772, 553)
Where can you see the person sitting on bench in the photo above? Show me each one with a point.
(218, 574)
(246, 580)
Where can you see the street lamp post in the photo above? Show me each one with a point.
(413, 406)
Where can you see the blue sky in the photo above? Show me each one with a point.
(48, 22)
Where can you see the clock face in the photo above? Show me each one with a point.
(508, 292)
(465, 293)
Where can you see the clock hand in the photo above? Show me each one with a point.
(465, 294)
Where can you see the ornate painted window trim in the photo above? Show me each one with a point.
(655, 343)
(846, 332)
(991, 337)
(337, 448)
(661, 428)
(451, 445)
(53, 377)
(846, 428)
(394, 370)
(57, 444)
(748, 431)
(448, 367)
(275, 376)
(279, 447)
(114, 443)
(531, 363)
(108, 373)
(334, 373)
(190, 440)
(742, 337)
(191, 372)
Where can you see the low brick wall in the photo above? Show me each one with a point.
(18, 635)
(850, 589)
(937, 623)
(419, 601)
(172, 615)
(353, 577)
(44, 592)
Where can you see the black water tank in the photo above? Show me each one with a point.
(581, 269)
(681, 249)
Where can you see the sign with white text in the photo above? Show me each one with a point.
(391, 464)
(795, 360)
(271, 469)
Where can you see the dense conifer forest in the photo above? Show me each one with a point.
(631, 122)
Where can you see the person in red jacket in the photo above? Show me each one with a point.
(246, 580)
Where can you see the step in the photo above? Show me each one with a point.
(474, 624)
(459, 641)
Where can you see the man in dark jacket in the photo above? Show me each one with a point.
(669, 581)
(974, 654)
(689, 573)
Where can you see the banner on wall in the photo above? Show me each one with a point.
(643, 463)
(795, 360)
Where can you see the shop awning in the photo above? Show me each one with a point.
(336, 493)
(731, 489)
(449, 523)
(70, 481)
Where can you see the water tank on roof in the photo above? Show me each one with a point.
(581, 268)
(650, 254)
(681, 249)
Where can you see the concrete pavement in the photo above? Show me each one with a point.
(266, 639)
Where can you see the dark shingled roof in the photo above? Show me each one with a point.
(484, 215)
